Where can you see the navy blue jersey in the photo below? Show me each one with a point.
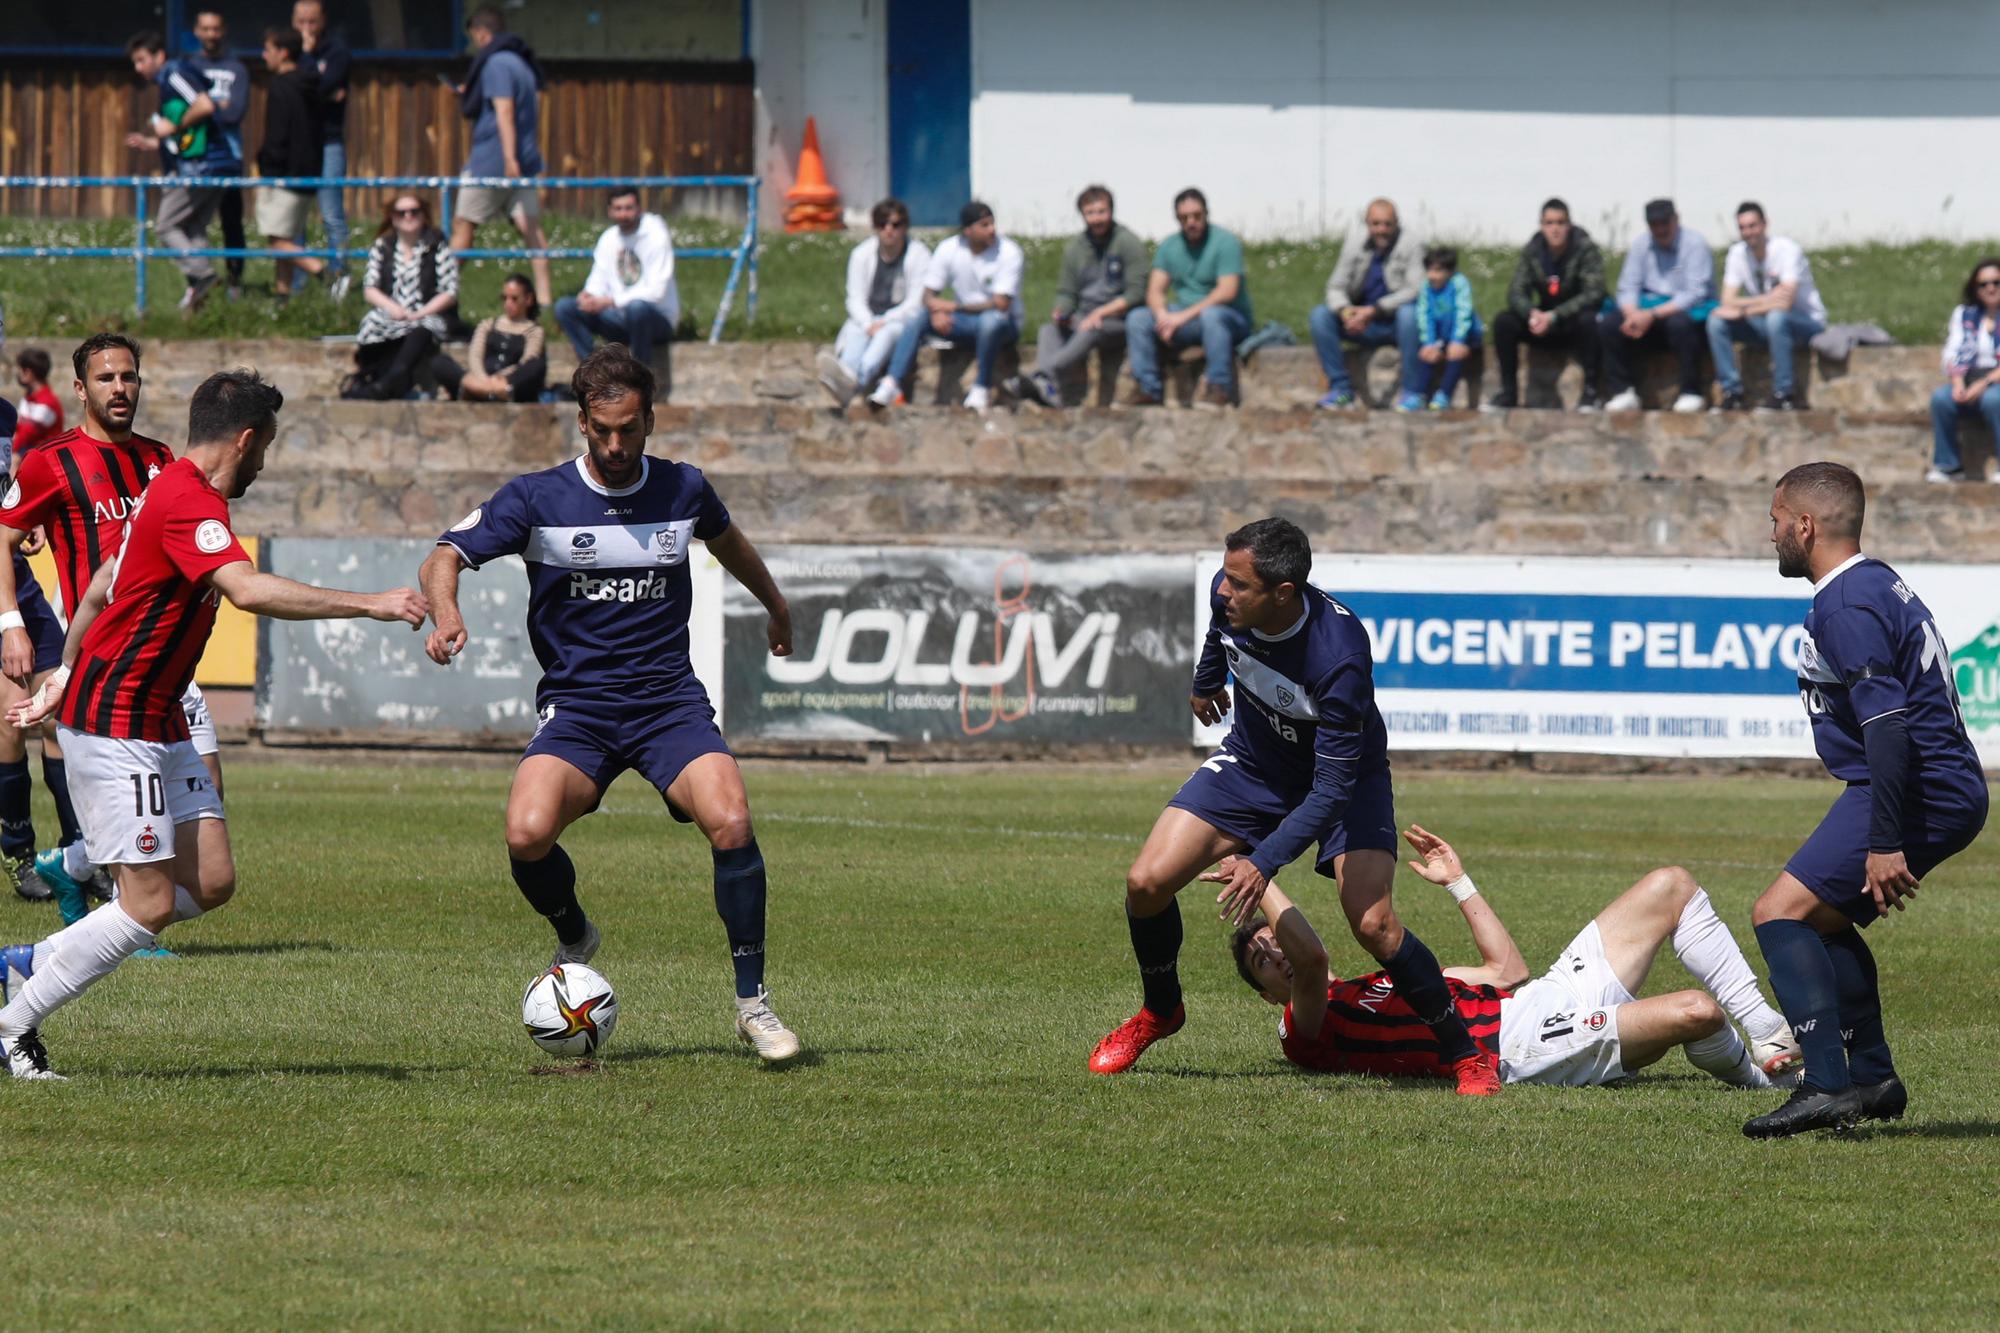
(1872, 649)
(1305, 716)
(608, 584)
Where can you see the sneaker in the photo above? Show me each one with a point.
(1805, 1110)
(29, 885)
(1733, 401)
(887, 393)
(68, 893)
(1504, 401)
(978, 398)
(1440, 402)
(1690, 402)
(235, 292)
(582, 951)
(1041, 387)
(759, 1027)
(1777, 1054)
(1335, 399)
(1410, 402)
(1886, 1100)
(1478, 1075)
(1939, 475)
(837, 379)
(1624, 401)
(1138, 396)
(1779, 402)
(1587, 403)
(26, 1057)
(338, 288)
(17, 964)
(1128, 1041)
(197, 292)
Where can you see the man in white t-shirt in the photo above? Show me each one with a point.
(982, 271)
(630, 296)
(1769, 298)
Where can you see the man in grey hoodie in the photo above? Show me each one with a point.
(1103, 275)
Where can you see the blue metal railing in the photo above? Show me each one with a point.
(742, 255)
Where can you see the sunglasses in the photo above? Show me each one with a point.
(895, 224)
(1984, 283)
(1189, 217)
(409, 212)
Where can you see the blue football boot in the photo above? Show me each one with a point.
(68, 893)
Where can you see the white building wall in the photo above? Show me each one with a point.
(827, 59)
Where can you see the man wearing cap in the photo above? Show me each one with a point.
(1665, 290)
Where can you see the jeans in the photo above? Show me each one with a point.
(230, 211)
(1063, 348)
(388, 370)
(1218, 329)
(988, 331)
(636, 324)
(1330, 338)
(864, 353)
(182, 224)
(1945, 416)
(1779, 330)
(332, 212)
(1677, 330)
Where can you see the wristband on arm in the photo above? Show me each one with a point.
(11, 620)
(1461, 888)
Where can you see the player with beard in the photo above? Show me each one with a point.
(150, 810)
(606, 539)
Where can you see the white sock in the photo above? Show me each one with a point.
(91, 950)
(45, 949)
(1725, 1056)
(1708, 950)
(77, 863)
(185, 907)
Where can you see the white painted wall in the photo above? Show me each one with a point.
(827, 59)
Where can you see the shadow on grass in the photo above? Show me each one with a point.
(1929, 1129)
(810, 1058)
(331, 1069)
(251, 950)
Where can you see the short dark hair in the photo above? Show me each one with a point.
(1094, 194)
(1832, 493)
(230, 402)
(1971, 293)
(1441, 256)
(286, 39)
(619, 192)
(145, 41)
(887, 211)
(611, 372)
(486, 18)
(98, 342)
(534, 302)
(1557, 204)
(1279, 550)
(974, 211)
(1190, 193)
(1239, 949)
(35, 361)
(1750, 206)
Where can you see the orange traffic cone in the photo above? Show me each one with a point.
(812, 186)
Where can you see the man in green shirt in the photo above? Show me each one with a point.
(1198, 293)
(1103, 277)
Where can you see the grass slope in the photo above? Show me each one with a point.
(325, 1114)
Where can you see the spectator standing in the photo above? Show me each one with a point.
(885, 295)
(291, 147)
(1370, 301)
(1553, 301)
(412, 280)
(1768, 297)
(1447, 329)
(188, 144)
(508, 360)
(982, 271)
(501, 96)
(1104, 273)
(1972, 372)
(326, 56)
(630, 296)
(229, 89)
(1665, 290)
(1197, 292)
(41, 410)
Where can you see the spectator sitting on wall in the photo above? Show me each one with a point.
(1370, 301)
(885, 295)
(1972, 372)
(326, 57)
(1103, 276)
(1665, 290)
(1768, 297)
(41, 410)
(501, 96)
(982, 271)
(291, 147)
(631, 296)
(1197, 293)
(189, 149)
(1552, 301)
(507, 361)
(1447, 329)
(229, 88)
(412, 280)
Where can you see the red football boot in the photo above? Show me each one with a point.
(1129, 1040)
(1478, 1075)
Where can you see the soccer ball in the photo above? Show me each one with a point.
(569, 1010)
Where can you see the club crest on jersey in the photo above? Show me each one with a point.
(152, 471)
(148, 841)
(470, 521)
(1597, 1020)
(666, 545)
(1286, 698)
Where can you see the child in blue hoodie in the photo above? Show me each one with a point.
(1447, 327)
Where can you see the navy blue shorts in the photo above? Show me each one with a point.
(656, 736)
(1833, 863)
(1223, 795)
(38, 616)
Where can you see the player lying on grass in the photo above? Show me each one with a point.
(1578, 1024)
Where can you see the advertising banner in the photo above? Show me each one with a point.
(939, 644)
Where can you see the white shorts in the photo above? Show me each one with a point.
(129, 795)
(1562, 1027)
(480, 204)
(200, 725)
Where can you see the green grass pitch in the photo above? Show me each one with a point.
(326, 1114)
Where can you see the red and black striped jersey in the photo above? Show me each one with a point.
(138, 656)
(82, 490)
(1369, 1029)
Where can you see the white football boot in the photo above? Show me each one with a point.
(759, 1027)
(26, 1058)
(582, 951)
(1778, 1053)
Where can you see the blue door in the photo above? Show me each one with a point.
(930, 107)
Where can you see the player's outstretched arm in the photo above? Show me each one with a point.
(735, 553)
(439, 577)
(44, 701)
(1306, 954)
(1501, 963)
(250, 589)
(17, 650)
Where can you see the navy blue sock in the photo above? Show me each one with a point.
(55, 776)
(1420, 981)
(740, 892)
(549, 885)
(17, 819)
(1452, 370)
(1156, 942)
(1802, 977)
(1868, 1059)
